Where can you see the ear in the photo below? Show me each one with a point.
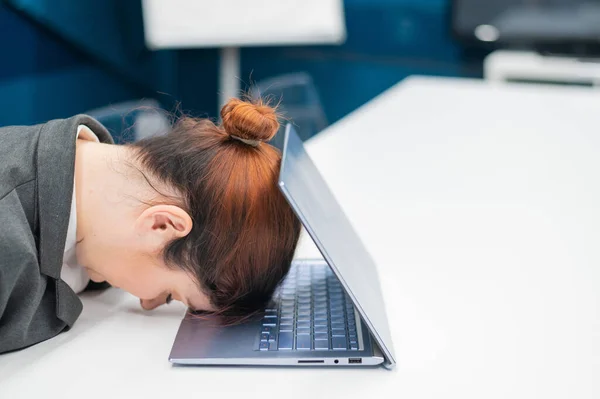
(161, 224)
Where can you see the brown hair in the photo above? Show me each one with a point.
(244, 232)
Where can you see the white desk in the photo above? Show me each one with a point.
(481, 206)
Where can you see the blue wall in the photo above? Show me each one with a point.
(61, 57)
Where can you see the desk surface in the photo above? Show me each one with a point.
(480, 205)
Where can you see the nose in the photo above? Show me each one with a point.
(149, 304)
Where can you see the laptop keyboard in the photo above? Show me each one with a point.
(310, 312)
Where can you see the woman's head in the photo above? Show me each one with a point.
(217, 221)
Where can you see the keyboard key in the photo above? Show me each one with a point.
(338, 326)
(321, 323)
(272, 345)
(264, 346)
(338, 343)
(266, 329)
(286, 340)
(354, 347)
(321, 336)
(321, 344)
(303, 342)
(286, 327)
(338, 319)
(269, 322)
(287, 320)
(264, 336)
(303, 324)
(303, 318)
(303, 331)
(320, 329)
(338, 332)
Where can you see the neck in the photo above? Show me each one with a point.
(107, 189)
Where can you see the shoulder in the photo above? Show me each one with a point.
(18, 153)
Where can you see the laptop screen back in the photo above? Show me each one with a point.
(323, 218)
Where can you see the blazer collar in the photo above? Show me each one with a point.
(55, 176)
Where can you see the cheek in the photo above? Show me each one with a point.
(141, 280)
(126, 269)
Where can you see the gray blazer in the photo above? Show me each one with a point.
(37, 166)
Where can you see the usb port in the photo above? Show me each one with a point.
(355, 360)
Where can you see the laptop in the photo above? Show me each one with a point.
(327, 312)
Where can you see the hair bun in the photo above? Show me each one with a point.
(249, 121)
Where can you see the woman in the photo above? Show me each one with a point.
(194, 215)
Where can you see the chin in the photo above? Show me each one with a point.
(95, 277)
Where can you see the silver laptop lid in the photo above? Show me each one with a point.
(323, 218)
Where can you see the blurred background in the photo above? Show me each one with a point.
(104, 57)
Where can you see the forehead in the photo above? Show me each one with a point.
(193, 293)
